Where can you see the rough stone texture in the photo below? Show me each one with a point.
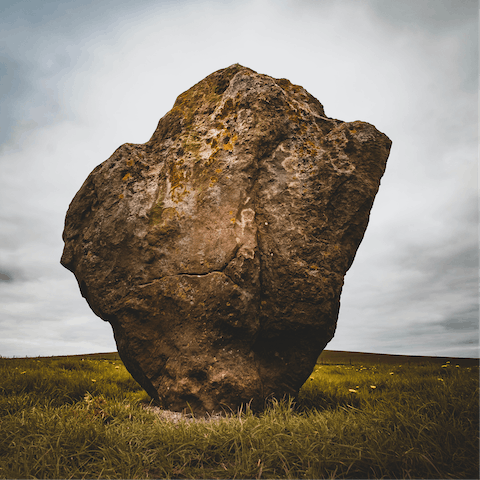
(217, 250)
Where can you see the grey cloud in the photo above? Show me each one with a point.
(31, 92)
(55, 15)
(434, 15)
(42, 43)
(83, 76)
(75, 17)
(443, 269)
(438, 17)
(442, 260)
(466, 321)
(13, 85)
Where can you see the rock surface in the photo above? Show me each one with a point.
(217, 250)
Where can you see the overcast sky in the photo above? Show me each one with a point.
(79, 78)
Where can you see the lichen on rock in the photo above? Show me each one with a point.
(217, 250)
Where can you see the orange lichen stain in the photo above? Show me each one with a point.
(130, 162)
(179, 193)
(178, 176)
(212, 158)
(314, 267)
(312, 148)
(218, 170)
(120, 196)
(229, 142)
(200, 98)
(233, 220)
(287, 85)
(191, 144)
(308, 149)
(126, 177)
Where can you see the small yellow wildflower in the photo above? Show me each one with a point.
(117, 366)
(441, 379)
(352, 390)
(93, 380)
(373, 386)
(391, 373)
(21, 373)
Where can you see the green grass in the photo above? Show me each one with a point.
(69, 417)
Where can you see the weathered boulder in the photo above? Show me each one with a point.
(217, 250)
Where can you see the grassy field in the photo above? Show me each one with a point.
(357, 416)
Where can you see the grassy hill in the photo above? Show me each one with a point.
(357, 416)
(338, 357)
(357, 358)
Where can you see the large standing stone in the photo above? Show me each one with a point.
(217, 250)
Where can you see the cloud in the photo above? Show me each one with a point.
(81, 78)
(433, 16)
